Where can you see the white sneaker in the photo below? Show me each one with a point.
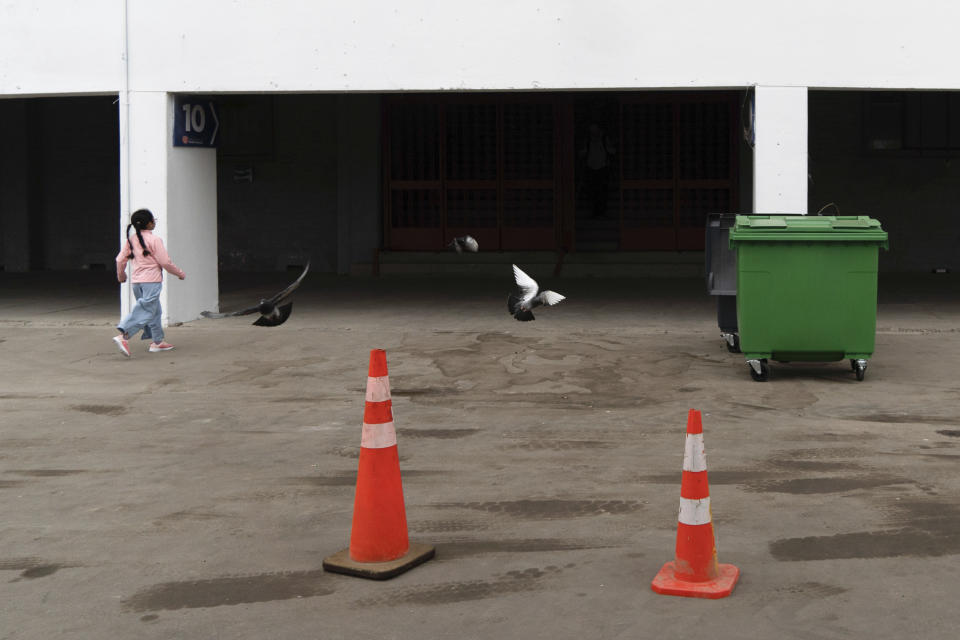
(122, 345)
(160, 346)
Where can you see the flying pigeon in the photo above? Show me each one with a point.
(465, 243)
(521, 304)
(273, 311)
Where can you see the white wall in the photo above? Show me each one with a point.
(62, 46)
(372, 45)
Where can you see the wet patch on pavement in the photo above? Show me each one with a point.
(550, 509)
(950, 433)
(922, 528)
(465, 591)
(32, 567)
(460, 549)
(803, 486)
(904, 418)
(46, 473)
(446, 526)
(834, 437)
(346, 479)
(559, 445)
(228, 591)
(191, 514)
(101, 409)
(442, 434)
(10, 484)
(831, 453)
(865, 544)
(813, 589)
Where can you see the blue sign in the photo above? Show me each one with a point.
(195, 122)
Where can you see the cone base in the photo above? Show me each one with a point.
(342, 563)
(668, 584)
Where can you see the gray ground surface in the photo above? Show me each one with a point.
(195, 493)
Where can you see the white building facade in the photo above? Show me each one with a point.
(352, 128)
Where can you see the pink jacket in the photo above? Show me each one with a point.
(146, 269)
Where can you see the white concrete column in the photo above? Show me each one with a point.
(179, 185)
(780, 150)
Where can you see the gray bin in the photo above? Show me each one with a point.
(721, 272)
(721, 261)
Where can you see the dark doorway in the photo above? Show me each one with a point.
(582, 171)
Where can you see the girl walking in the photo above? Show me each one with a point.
(149, 259)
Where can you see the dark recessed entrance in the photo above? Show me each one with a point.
(544, 171)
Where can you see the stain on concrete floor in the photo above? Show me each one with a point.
(466, 590)
(550, 509)
(232, 590)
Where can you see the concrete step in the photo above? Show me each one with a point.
(578, 264)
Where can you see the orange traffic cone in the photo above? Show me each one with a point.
(379, 547)
(695, 571)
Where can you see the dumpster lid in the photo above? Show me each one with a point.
(793, 228)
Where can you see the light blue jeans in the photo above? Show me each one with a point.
(146, 313)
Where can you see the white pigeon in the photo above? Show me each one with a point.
(521, 304)
(465, 243)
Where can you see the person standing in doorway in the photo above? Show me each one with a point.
(149, 260)
(597, 153)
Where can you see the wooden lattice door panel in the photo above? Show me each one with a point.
(647, 222)
(704, 167)
(694, 205)
(647, 142)
(471, 172)
(484, 165)
(647, 176)
(414, 185)
(529, 176)
(678, 157)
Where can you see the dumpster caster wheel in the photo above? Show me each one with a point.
(733, 342)
(860, 367)
(759, 370)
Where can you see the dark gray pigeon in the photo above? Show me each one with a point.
(465, 243)
(273, 311)
(528, 296)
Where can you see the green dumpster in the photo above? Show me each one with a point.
(806, 288)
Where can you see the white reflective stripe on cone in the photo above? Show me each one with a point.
(378, 436)
(695, 511)
(694, 455)
(378, 389)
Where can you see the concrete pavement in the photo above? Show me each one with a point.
(194, 493)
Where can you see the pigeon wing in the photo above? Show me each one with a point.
(551, 297)
(470, 244)
(230, 314)
(280, 297)
(528, 286)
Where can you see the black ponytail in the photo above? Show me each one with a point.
(139, 220)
